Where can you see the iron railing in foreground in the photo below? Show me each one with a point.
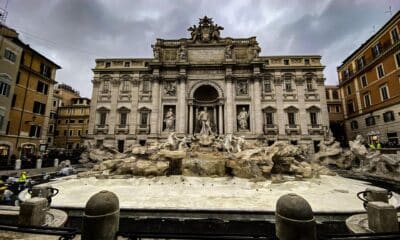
(70, 233)
(63, 233)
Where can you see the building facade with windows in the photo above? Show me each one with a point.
(335, 110)
(223, 80)
(369, 82)
(10, 55)
(62, 96)
(29, 114)
(72, 124)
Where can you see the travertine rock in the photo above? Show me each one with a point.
(202, 167)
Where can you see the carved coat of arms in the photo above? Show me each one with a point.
(206, 31)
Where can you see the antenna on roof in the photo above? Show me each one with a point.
(3, 13)
(389, 11)
(373, 29)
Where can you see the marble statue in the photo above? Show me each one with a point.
(206, 31)
(182, 53)
(169, 120)
(228, 52)
(242, 119)
(156, 52)
(256, 51)
(205, 123)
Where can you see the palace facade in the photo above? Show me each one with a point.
(259, 97)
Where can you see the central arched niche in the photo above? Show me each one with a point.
(205, 93)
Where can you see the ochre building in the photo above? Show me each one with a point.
(370, 86)
(222, 79)
(28, 117)
(72, 124)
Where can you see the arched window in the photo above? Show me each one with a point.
(287, 80)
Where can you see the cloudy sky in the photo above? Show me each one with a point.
(74, 33)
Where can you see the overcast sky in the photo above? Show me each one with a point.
(73, 33)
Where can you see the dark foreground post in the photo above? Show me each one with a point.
(101, 218)
(294, 219)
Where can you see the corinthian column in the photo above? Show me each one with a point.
(181, 113)
(257, 113)
(154, 119)
(229, 119)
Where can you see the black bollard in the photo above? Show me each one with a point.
(294, 219)
(101, 218)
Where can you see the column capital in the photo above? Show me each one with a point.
(229, 78)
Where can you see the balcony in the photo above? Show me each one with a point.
(270, 129)
(315, 129)
(143, 129)
(122, 128)
(292, 129)
(101, 128)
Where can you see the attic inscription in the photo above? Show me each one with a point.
(207, 55)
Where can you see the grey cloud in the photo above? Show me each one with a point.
(76, 32)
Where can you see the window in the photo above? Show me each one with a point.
(71, 132)
(45, 70)
(369, 121)
(288, 83)
(354, 124)
(309, 83)
(51, 128)
(348, 89)
(335, 94)
(286, 62)
(313, 118)
(379, 71)
(1, 121)
(127, 64)
(80, 121)
(54, 103)
(14, 100)
(267, 85)
(65, 132)
(395, 35)
(146, 86)
(367, 100)
(338, 110)
(125, 85)
(4, 89)
(360, 63)
(18, 77)
(267, 62)
(291, 119)
(384, 92)
(388, 116)
(66, 121)
(346, 73)
(72, 121)
(122, 119)
(397, 57)
(52, 115)
(376, 50)
(39, 107)
(392, 138)
(364, 81)
(86, 132)
(103, 117)
(143, 119)
(79, 132)
(307, 61)
(108, 64)
(35, 131)
(327, 94)
(10, 55)
(350, 107)
(269, 118)
(106, 86)
(42, 87)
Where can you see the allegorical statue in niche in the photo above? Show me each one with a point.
(204, 120)
(242, 119)
(228, 52)
(256, 50)
(169, 120)
(170, 89)
(182, 53)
